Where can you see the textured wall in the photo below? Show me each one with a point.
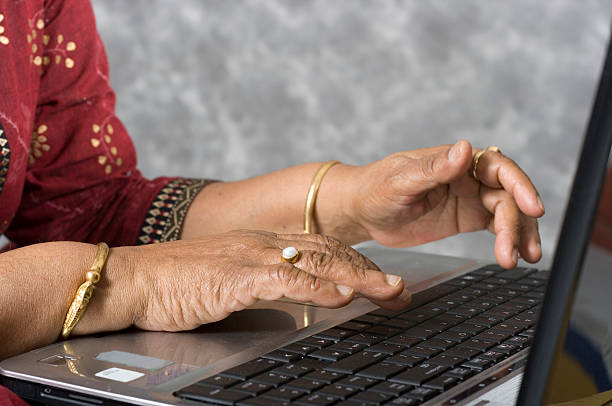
(231, 89)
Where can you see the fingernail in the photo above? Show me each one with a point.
(393, 280)
(344, 290)
(515, 254)
(541, 204)
(453, 154)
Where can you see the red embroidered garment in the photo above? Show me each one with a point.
(68, 167)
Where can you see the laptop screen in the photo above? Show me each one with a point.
(582, 366)
(571, 358)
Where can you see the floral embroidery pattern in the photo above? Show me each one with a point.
(38, 144)
(44, 55)
(5, 157)
(166, 214)
(104, 139)
(3, 38)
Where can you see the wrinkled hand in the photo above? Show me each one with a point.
(419, 196)
(184, 284)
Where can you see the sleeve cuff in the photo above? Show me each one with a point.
(164, 218)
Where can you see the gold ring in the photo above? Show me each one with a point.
(290, 254)
(477, 157)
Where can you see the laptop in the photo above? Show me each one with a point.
(475, 333)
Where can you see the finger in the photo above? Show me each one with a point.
(338, 268)
(285, 280)
(442, 167)
(327, 244)
(530, 244)
(505, 224)
(398, 303)
(498, 171)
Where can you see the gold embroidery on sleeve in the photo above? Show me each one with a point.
(53, 48)
(39, 144)
(109, 153)
(3, 38)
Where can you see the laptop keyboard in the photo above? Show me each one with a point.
(451, 332)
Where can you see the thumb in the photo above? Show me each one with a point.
(443, 167)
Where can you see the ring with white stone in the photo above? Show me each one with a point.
(290, 254)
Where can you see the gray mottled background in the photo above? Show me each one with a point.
(233, 89)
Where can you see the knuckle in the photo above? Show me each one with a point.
(427, 168)
(320, 262)
(280, 273)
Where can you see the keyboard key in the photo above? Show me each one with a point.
(421, 351)
(452, 319)
(335, 334)
(384, 331)
(416, 316)
(252, 388)
(456, 336)
(487, 320)
(365, 338)
(469, 327)
(399, 323)
(465, 311)
(285, 393)
(529, 333)
(218, 396)
(219, 381)
(392, 388)
(477, 344)
(422, 394)
(347, 347)
(328, 354)
(371, 398)
(386, 348)
(292, 370)
(355, 362)
(311, 363)
(338, 390)
(493, 355)
(408, 360)
(420, 332)
(382, 370)
(519, 341)
(442, 383)
(487, 271)
(464, 352)
(509, 327)
(404, 340)
(299, 348)
(420, 374)
(447, 360)
(493, 336)
(315, 342)
(481, 304)
(368, 318)
(272, 379)
(359, 382)
(305, 384)
(478, 364)
(507, 349)
(461, 373)
(385, 313)
(316, 399)
(354, 326)
(485, 286)
(282, 356)
(325, 376)
(251, 368)
(438, 343)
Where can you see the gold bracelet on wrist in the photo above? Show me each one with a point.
(84, 292)
(311, 198)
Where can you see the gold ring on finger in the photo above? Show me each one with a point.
(290, 254)
(477, 157)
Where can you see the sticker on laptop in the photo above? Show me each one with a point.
(119, 374)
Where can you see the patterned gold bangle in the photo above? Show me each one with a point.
(84, 292)
(311, 198)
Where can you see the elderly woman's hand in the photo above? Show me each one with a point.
(418, 196)
(184, 284)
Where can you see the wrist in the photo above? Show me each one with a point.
(117, 299)
(336, 213)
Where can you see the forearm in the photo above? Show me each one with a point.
(275, 202)
(38, 283)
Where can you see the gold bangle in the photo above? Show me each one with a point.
(311, 198)
(84, 292)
